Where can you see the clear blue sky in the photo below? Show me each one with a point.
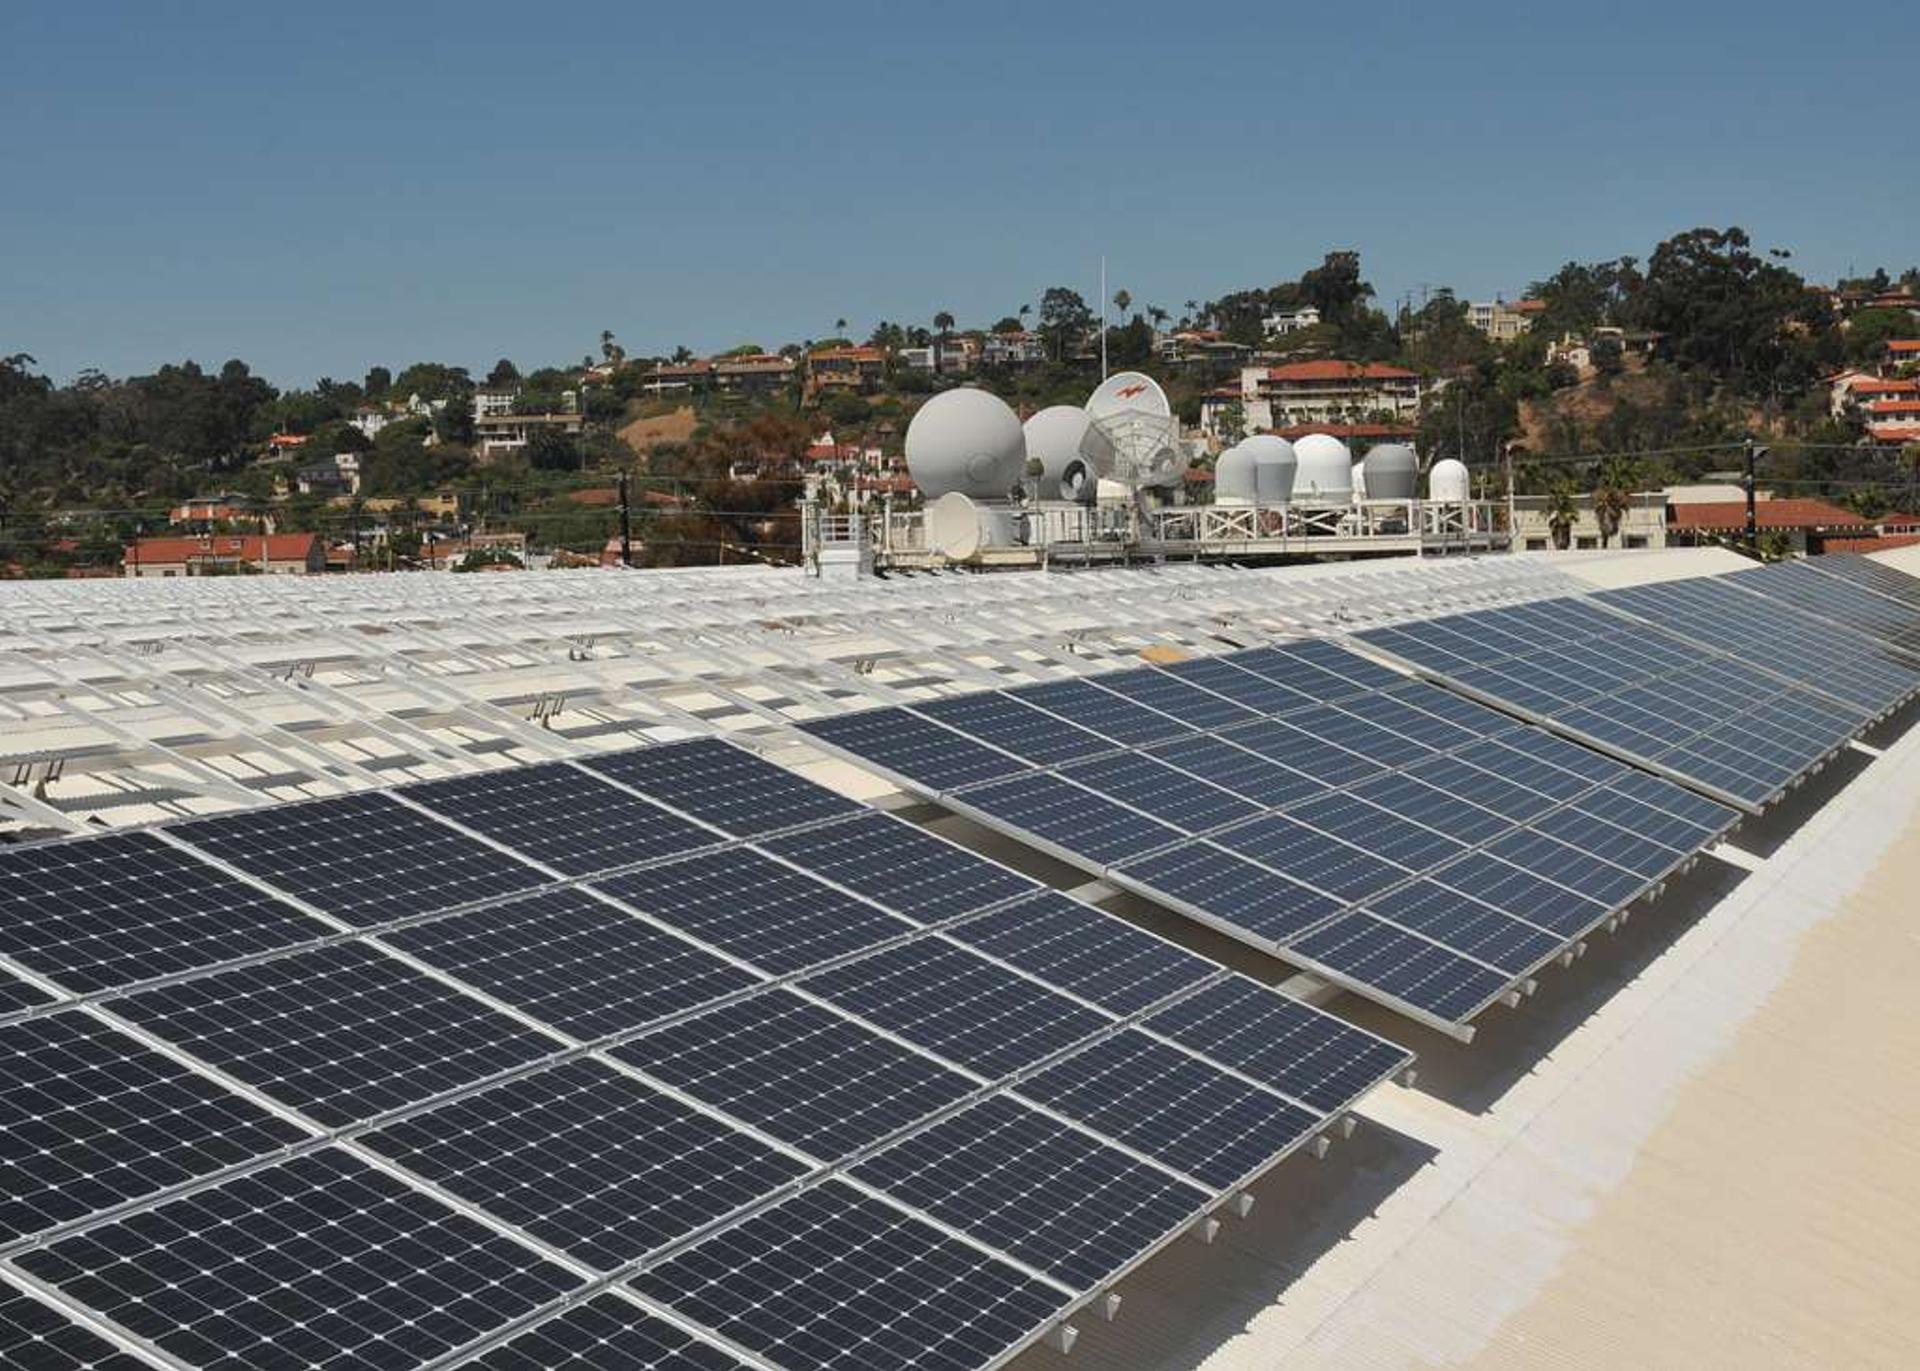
(315, 188)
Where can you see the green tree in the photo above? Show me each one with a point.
(1563, 509)
(1064, 321)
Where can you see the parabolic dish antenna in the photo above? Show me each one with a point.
(1133, 437)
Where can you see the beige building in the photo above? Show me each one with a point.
(1642, 525)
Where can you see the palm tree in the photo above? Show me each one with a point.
(1561, 512)
(1612, 498)
(1122, 300)
(942, 326)
(1158, 315)
(839, 328)
(1022, 314)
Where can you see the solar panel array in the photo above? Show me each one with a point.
(1391, 835)
(1724, 688)
(673, 1061)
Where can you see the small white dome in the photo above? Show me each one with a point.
(1233, 475)
(1274, 466)
(1053, 436)
(967, 441)
(1447, 483)
(1392, 472)
(1325, 476)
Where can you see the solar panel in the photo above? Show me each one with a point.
(1875, 576)
(1404, 842)
(1175, 697)
(1056, 1198)
(319, 1260)
(835, 1278)
(341, 1033)
(91, 1118)
(759, 910)
(606, 1332)
(573, 962)
(903, 867)
(1247, 773)
(1002, 721)
(1362, 949)
(1172, 796)
(1467, 926)
(1111, 716)
(364, 859)
(957, 1005)
(587, 1160)
(1071, 817)
(1316, 757)
(16, 994)
(1237, 892)
(1521, 893)
(1261, 694)
(722, 785)
(1314, 858)
(1173, 1107)
(934, 758)
(810, 1077)
(1093, 955)
(562, 817)
(126, 907)
(1312, 1056)
(37, 1337)
(1322, 669)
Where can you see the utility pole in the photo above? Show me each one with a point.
(626, 525)
(1103, 316)
(1751, 451)
(1506, 452)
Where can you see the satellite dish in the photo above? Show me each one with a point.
(953, 526)
(1132, 437)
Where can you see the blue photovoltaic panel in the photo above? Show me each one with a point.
(903, 867)
(1423, 974)
(1310, 1055)
(1026, 1185)
(832, 1274)
(573, 962)
(588, 1160)
(1245, 688)
(1363, 737)
(610, 1332)
(959, 1006)
(1169, 795)
(1871, 575)
(1175, 697)
(1467, 926)
(1324, 670)
(1405, 842)
(1485, 789)
(1314, 858)
(342, 1033)
(90, 1118)
(125, 907)
(16, 994)
(1601, 881)
(1003, 722)
(1255, 778)
(1111, 716)
(1521, 893)
(562, 817)
(757, 909)
(1327, 762)
(318, 1261)
(1236, 891)
(723, 785)
(934, 758)
(1410, 797)
(800, 1072)
(37, 1337)
(1071, 817)
(1088, 953)
(364, 859)
(1174, 1107)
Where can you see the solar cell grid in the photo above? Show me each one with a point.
(1547, 857)
(341, 1033)
(16, 994)
(1636, 852)
(1003, 722)
(1410, 797)
(1467, 926)
(759, 910)
(364, 859)
(1072, 817)
(318, 1261)
(124, 907)
(35, 1336)
(1317, 757)
(1086, 704)
(799, 1072)
(1248, 689)
(1233, 890)
(1520, 893)
(562, 817)
(932, 757)
(1094, 955)
(1402, 841)
(959, 1006)
(603, 1333)
(1176, 697)
(722, 785)
(1324, 670)
(1168, 794)
(573, 962)
(1257, 779)
(1312, 1056)
(1875, 576)
(1026, 1185)
(588, 1160)
(1173, 1107)
(1312, 857)
(903, 867)
(91, 1118)
(834, 1278)
(1412, 969)
(1329, 724)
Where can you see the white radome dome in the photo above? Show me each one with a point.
(966, 441)
(1274, 468)
(1325, 474)
(1393, 472)
(1447, 483)
(1233, 475)
(1053, 436)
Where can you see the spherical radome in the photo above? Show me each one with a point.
(1392, 472)
(1447, 483)
(1233, 477)
(1274, 468)
(1325, 475)
(967, 441)
(1053, 437)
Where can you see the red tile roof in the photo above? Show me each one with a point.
(246, 547)
(1884, 543)
(1330, 370)
(1903, 345)
(1893, 407)
(1726, 515)
(1293, 432)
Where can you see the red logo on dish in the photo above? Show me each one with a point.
(1128, 392)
